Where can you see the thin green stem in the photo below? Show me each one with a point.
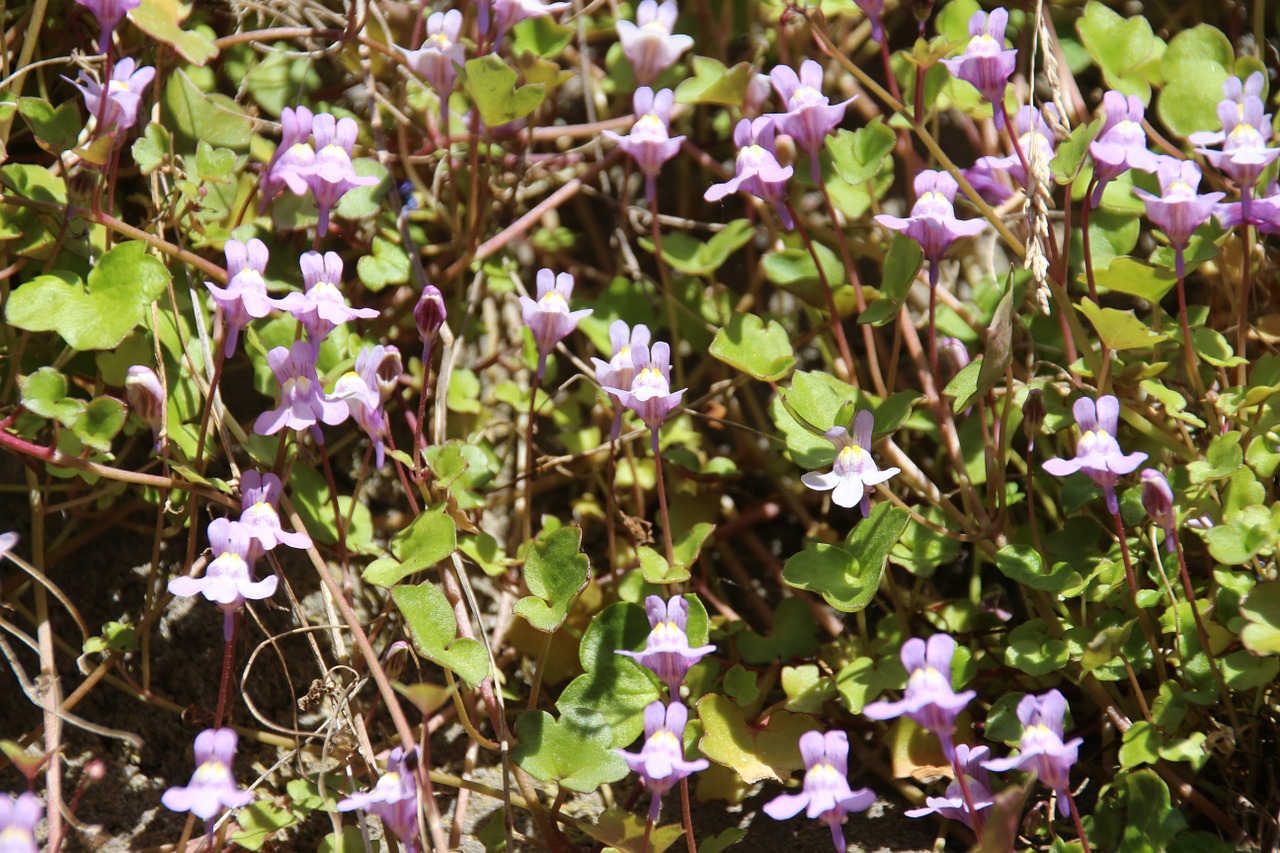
(662, 499)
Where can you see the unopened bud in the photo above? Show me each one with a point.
(146, 396)
(1157, 499)
(429, 313)
(1033, 415)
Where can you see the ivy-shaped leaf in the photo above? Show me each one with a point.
(754, 751)
(430, 538)
(492, 86)
(759, 350)
(555, 571)
(388, 264)
(573, 751)
(848, 576)
(435, 632)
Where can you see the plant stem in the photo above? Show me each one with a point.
(1246, 277)
(528, 453)
(837, 326)
(688, 815)
(868, 334)
(1132, 580)
(662, 498)
(1075, 816)
(231, 627)
(1203, 632)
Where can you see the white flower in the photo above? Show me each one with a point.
(854, 471)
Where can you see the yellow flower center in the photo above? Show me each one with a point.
(118, 86)
(649, 123)
(850, 454)
(554, 301)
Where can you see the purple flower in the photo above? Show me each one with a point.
(1122, 145)
(1264, 213)
(212, 787)
(293, 157)
(810, 116)
(1098, 453)
(332, 173)
(1041, 750)
(124, 94)
(228, 580)
(854, 471)
(929, 698)
(1244, 151)
(757, 170)
(437, 60)
(302, 401)
(1157, 500)
(985, 64)
(1179, 210)
(667, 651)
(245, 296)
(649, 44)
(986, 173)
(549, 318)
(933, 223)
(953, 804)
(650, 395)
(826, 795)
(620, 370)
(874, 10)
(754, 99)
(650, 143)
(429, 314)
(502, 15)
(394, 799)
(109, 14)
(146, 397)
(18, 819)
(387, 368)
(660, 762)
(360, 390)
(322, 307)
(259, 499)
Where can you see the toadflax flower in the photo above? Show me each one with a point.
(212, 787)
(620, 369)
(649, 44)
(1098, 453)
(667, 651)
(245, 296)
(333, 174)
(756, 170)
(109, 14)
(1041, 749)
(650, 143)
(303, 402)
(987, 173)
(1179, 209)
(394, 799)
(499, 16)
(441, 54)
(826, 795)
(292, 158)
(549, 318)
(970, 760)
(1122, 144)
(985, 64)
(321, 308)
(359, 389)
(933, 223)
(929, 698)
(810, 115)
(124, 94)
(228, 579)
(874, 10)
(146, 398)
(1157, 500)
(260, 518)
(18, 819)
(650, 395)
(661, 762)
(854, 471)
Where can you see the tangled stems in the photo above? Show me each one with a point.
(837, 326)
(1132, 580)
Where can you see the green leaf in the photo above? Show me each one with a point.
(1223, 458)
(430, 538)
(859, 155)
(388, 264)
(1119, 330)
(435, 632)
(365, 202)
(192, 115)
(901, 266)
(1033, 650)
(45, 393)
(1261, 610)
(102, 421)
(1141, 745)
(350, 841)
(573, 751)
(259, 821)
(625, 832)
(692, 256)
(755, 752)
(1213, 347)
(57, 129)
(1126, 275)
(1070, 156)
(1121, 47)
(555, 571)
(1152, 822)
(761, 351)
(121, 286)
(816, 398)
(492, 87)
(794, 271)
(849, 576)
(461, 467)
(541, 36)
(656, 570)
(921, 550)
(151, 150)
(970, 385)
(1022, 564)
(714, 83)
(1196, 64)
(162, 20)
(794, 635)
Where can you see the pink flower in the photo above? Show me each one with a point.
(1098, 453)
(650, 395)
(303, 403)
(987, 173)
(438, 59)
(826, 795)
(1122, 145)
(810, 116)
(854, 472)
(933, 223)
(293, 157)
(549, 317)
(650, 143)
(245, 296)
(953, 805)
(228, 580)
(109, 14)
(1179, 209)
(1157, 500)
(649, 44)
(332, 174)
(322, 307)
(1042, 750)
(757, 170)
(259, 499)
(661, 762)
(360, 390)
(620, 369)
(507, 13)
(667, 651)
(394, 798)
(929, 698)
(18, 820)
(146, 397)
(124, 94)
(985, 64)
(212, 787)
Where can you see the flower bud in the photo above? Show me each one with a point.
(429, 313)
(146, 396)
(1157, 499)
(1033, 415)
